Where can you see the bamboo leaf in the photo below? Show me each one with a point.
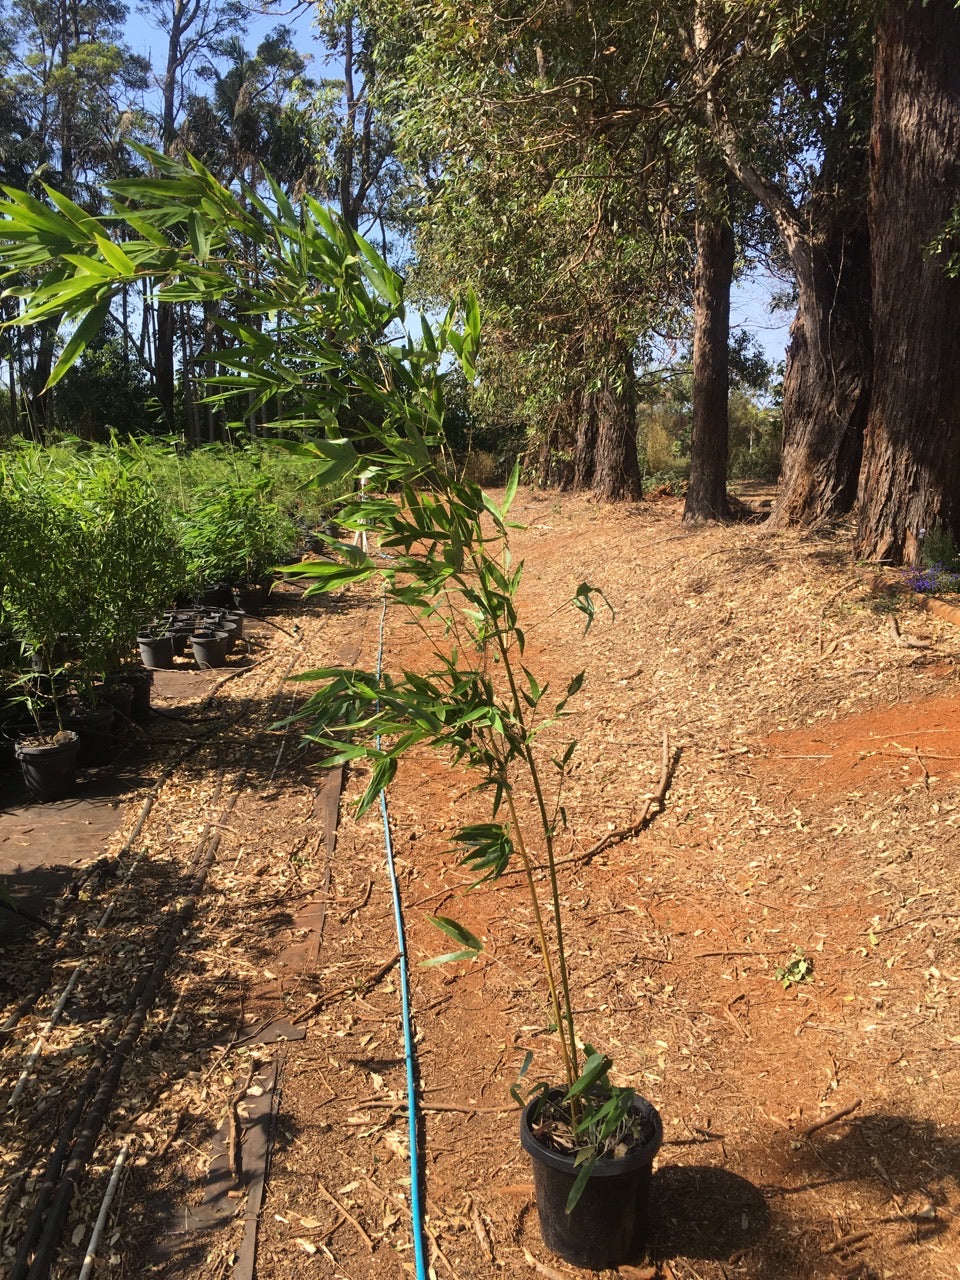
(595, 1068)
(85, 332)
(458, 932)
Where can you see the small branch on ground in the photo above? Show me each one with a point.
(832, 1118)
(332, 1199)
(669, 764)
(353, 990)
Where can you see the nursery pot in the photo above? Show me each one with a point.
(209, 648)
(217, 594)
(156, 652)
(118, 693)
(607, 1224)
(49, 768)
(95, 732)
(229, 629)
(250, 598)
(140, 681)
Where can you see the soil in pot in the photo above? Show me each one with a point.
(49, 765)
(607, 1225)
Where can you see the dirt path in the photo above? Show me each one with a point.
(811, 1129)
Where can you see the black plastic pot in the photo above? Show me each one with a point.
(607, 1226)
(250, 598)
(156, 652)
(117, 692)
(209, 648)
(141, 680)
(97, 743)
(217, 594)
(49, 768)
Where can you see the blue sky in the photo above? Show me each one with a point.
(750, 310)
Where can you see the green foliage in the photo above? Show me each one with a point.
(939, 569)
(235, 535)
(754, 440)
(88, 551)
(939, 549)
(41, 559)
(444, 540)
(799, 968)
(106, 391)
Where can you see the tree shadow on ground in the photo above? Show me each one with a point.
(901, 1174)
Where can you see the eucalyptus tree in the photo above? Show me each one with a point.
(190, 28)
(787, 92)
(254, 120)
(910, 479)
(363, 176)
(75, 90)
(543, 189)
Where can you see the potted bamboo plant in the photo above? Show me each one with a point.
(338, 360)
(591, 1141)
(37, 553)
(232, 539)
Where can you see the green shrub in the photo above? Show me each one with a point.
(236, 535)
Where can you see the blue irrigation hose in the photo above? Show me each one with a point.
(416, 1207)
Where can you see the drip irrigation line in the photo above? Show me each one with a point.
(270, 623)
(94, 1242)
(24, 914)
(409, 1052)
(53, 1170)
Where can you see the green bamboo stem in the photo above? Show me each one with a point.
(568, 1051)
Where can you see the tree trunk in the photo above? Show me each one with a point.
(585, 444)
(616, 477)
(38, 401)
(910, 479)
(164, 377)
(827, 381)
(713, 275)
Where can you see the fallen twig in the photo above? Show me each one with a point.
(235, 1128)
(399, 1104)
(483, 1235)
(332, 1199)
(658, 797)
(541, 1267)
(831, 1118)
(847, 1242)
(934, 915)
(353, 990)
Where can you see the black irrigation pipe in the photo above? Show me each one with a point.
(217, 724)
(55, 1162)
(53, 1176)
(46, 1226)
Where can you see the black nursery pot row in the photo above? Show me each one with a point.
(88, 739)
(211, 633)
